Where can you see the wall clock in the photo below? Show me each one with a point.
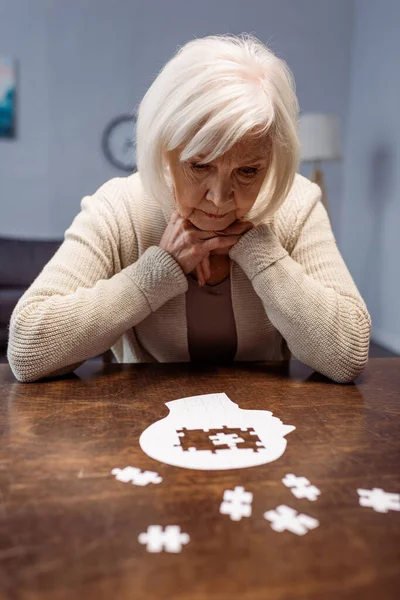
(119, 142)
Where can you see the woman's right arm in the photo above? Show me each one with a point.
(78, 306)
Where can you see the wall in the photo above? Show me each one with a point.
(82, 62)
(370, 216)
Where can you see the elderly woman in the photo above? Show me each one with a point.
(216, 250)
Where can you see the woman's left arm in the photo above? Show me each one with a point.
(309, 295)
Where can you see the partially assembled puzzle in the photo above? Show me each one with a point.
(210, 432)
(213, 440)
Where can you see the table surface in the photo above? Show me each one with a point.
(69, 529)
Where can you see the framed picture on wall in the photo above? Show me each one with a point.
(8, 85)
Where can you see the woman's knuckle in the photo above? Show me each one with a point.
(187, 237)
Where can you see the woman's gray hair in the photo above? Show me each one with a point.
(213, 92)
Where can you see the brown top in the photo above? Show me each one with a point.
(211, 323)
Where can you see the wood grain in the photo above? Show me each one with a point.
(68, 529)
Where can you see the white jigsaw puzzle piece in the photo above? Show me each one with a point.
(284, 518)
(136, 476)
(237, 503)
(379, 500)
(291, 480)
(301, 487)
(229, 439)
(171, 539)
(310, 492)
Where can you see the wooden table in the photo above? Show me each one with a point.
(69, 530)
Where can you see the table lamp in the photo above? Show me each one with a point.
(320, 140)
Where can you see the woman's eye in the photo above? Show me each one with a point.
(248, 171)
(198, 166)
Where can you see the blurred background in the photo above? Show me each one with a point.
(70, 68)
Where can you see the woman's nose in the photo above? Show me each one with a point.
(220, 193)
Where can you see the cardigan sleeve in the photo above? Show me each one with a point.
(82, 301)
(309, 295)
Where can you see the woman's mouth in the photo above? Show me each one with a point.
(211, 216)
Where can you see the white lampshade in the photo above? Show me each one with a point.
(320, 137)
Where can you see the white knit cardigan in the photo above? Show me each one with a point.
(111, 286)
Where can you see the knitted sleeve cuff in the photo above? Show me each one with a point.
(158, 276)
(257, 250)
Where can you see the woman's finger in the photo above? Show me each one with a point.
(199, 275)
(220, 242)
(204, 267)
(206, 235)
(237, 228)
(205, 263)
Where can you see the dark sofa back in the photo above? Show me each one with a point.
(22, 260)
(20, 263)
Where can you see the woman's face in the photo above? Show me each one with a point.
(214, 195)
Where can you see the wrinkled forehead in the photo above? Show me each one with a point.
(249, 148)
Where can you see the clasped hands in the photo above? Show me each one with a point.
(192, 247)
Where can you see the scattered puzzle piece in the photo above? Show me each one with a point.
(171, 539)
(291, 480)
(237, 503)
(284, 518)
(136, 476)
(379, 500)
(301, 487)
